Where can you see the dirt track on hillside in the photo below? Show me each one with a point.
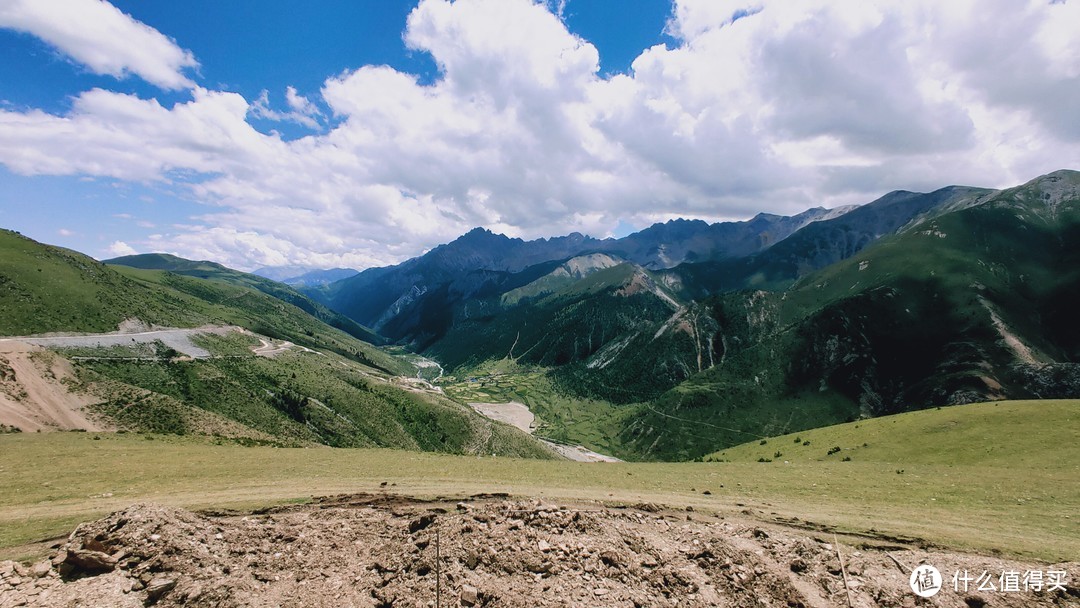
(176, 339)
(382, 551)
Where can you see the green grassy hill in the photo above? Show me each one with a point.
(216, 272)
(1021, 434)
(51, 289)
(295, 398)
(345, 394)
(45, 288)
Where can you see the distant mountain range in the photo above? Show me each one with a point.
(767, 251)
(389, 299)
(689, 336)
(763, 326)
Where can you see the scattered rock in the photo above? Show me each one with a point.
(365, 551)
(469, 595)
(158, 587)
(421, 523)
(89, 562)
(40, 569)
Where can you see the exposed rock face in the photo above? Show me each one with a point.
(364, 551)
(1050, 381)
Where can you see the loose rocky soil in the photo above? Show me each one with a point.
(36, 392)
(382, 550)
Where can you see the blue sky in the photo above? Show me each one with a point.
(362, 133)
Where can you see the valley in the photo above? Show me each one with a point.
(667, 344)
(909, 301)
(539, 304)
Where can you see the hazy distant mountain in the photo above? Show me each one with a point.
(819, 244)
(304, 276)
(677, 241)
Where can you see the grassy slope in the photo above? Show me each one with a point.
(45, 288)
(217, 272)
(49, 289)
(221, 302)
(338, 398)
(1030, 435)
(1021, 498)
(297, 398)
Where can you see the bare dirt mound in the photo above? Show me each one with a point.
(35, 391)
(382, 551)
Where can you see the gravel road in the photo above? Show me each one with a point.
(176, 339)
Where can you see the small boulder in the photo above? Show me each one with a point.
(40, 569)
(158, 587)
(470, 596)
(92, 562)
(422, 522)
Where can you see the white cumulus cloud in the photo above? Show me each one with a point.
(120, 248)
(302, 111)
(104, 39)
(771, 105)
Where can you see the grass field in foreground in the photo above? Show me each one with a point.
(1022, 498)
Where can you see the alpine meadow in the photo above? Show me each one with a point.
(516, 303)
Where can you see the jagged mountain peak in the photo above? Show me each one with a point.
(482, 234)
